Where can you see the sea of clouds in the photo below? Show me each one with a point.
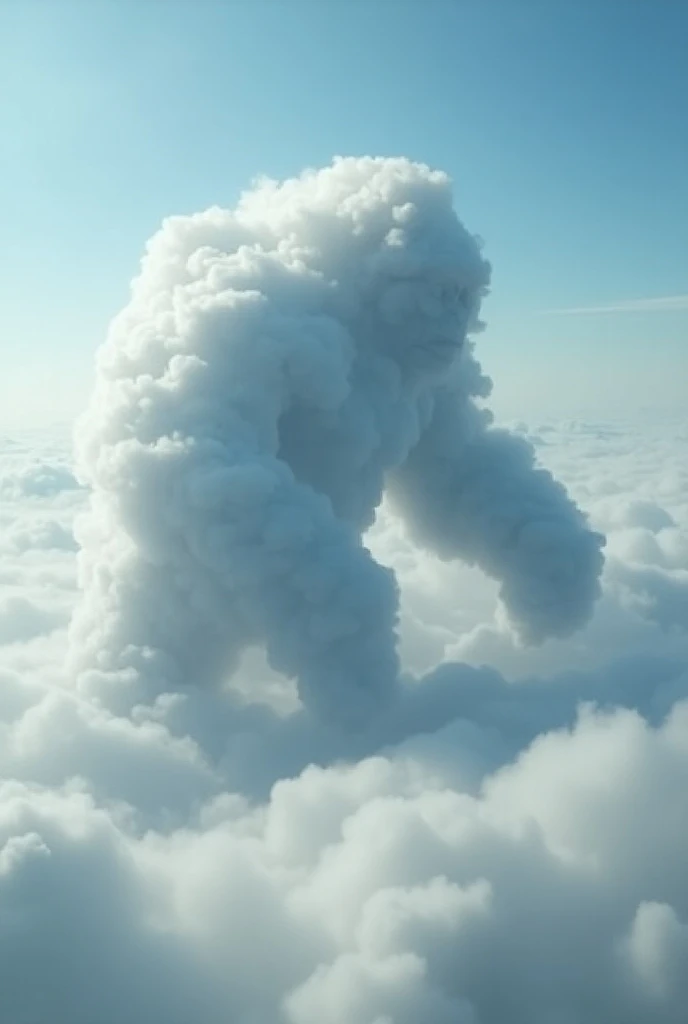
(501, 839)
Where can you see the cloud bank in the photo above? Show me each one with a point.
(185, 834)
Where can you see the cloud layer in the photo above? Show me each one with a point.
(486, 850)
(503, 842)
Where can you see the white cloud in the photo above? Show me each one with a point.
(478, 856)
(21, 619)
(37, 481)
(279, 367)
(379, 891)
(506, 842)
(662, 304)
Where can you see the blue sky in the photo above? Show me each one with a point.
(562, 123)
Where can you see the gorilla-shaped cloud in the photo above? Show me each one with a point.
(280, 367)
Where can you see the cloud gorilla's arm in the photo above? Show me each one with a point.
(471, 491)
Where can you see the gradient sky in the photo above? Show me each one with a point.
(562, 122)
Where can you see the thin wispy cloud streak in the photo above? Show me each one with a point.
(664, 304)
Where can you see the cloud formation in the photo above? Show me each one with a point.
(503, 842)
(279, 368)
(483, 851)
(381, 890)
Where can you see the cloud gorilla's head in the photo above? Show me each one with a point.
(280, 367)
(421, 290)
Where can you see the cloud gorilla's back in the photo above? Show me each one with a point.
(278, 368)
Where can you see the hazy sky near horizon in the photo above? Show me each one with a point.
(562, 124)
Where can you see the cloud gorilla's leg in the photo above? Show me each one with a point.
(212, 553)
(326, 609)
(473, 492)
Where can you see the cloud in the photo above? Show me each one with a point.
(378, 891)
(37, 481)
(502, 841)
(384, 874)
(21, 619)
(279, 368)
(663, 304)
(45, 535)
